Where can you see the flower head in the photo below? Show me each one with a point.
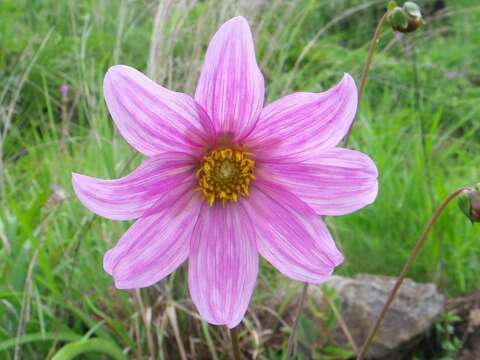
(226, 179)
(64, 89)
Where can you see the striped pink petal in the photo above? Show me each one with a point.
(153, 247)
(290, 235)
(299, 175)
(153, 119)
(333, 181)
(131, 196)
(301, 122)
(223, 264)
(231, 87)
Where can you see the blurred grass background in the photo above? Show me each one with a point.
(419, 120)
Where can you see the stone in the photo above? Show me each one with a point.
(412, 313)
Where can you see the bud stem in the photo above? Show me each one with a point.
(235, 344)
(416, 249)
(366, 67)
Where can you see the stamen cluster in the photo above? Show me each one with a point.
(225, 174)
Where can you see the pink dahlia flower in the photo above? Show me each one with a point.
(227, 179)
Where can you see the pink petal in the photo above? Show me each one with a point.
(333, 182)
(300, 122)
(151, 118)
(223, 264)
(131, 196)
(230, 87)
(153, 247)
(290, 235)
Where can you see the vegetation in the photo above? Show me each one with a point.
(418, 120)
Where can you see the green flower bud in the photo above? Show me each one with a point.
(405, 19)
(469, 203)
(398, 19)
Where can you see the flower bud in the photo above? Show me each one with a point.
(405, 19)
(469, 203)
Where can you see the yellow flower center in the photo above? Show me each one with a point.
(225, 174)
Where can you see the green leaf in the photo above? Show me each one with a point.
(391, 5)
(25, 339)
(74, 349)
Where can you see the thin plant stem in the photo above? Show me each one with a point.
(416, 249)
(366, 67)
(343, 325)
(172, 318)
(292, 340)
(235, 344)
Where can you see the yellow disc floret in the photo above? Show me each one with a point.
(225, 174)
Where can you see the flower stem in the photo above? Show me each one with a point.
(416, 249)
(363, 80)
(235, 344)
(292, 340)
(366, 67)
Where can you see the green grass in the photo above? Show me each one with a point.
(422, 131)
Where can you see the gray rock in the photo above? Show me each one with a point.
(411, 314)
